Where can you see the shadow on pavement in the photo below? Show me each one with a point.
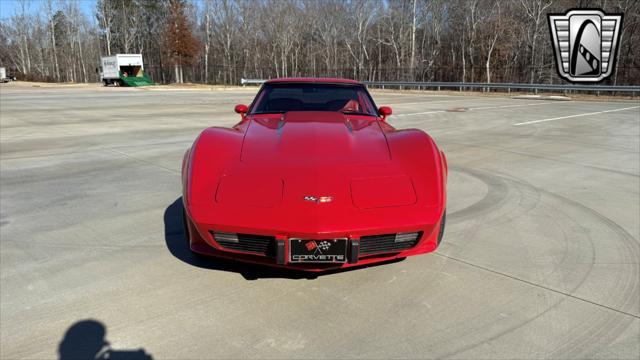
(86, 340)
(177, 244)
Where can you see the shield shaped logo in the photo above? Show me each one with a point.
(585, 42)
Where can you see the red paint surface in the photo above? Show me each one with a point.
(253, 178)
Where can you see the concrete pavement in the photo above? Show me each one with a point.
(540, 258)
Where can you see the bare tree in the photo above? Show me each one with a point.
(493, 24)
(23, 28)
(52, 34)
(413, 40)
(426, 40)
(105, 16)
(534, 10)
(207, 37)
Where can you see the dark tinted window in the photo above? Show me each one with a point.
(283, 97)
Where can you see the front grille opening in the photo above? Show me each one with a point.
(370, 246)
(377, 244)
(258, 244)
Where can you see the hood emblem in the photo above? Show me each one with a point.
(318, 200)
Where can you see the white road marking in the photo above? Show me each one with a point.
(421, 113)
(510, 106)
(484, 108)
(576, 115)
(441, 101)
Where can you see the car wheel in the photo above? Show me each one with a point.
(442, 224)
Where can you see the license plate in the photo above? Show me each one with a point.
(318, 251)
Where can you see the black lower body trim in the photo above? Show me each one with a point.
(280, 253)
(442, 223)
(354, 251)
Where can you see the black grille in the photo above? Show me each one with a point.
(263, 245)
(384, 244)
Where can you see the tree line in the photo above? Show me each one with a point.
(222, 41)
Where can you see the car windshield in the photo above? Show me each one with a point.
(278, 98)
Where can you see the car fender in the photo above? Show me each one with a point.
(203, 164)
(420, 157)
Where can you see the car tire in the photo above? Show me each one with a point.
(442, 225)
(185, 227)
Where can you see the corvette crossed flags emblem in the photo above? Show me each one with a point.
(323, 245)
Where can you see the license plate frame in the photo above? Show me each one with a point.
(325, 251)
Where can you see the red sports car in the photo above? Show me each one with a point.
(313, 177)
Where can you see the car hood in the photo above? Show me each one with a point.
(301, 154)
(270, 172)
(314, 138)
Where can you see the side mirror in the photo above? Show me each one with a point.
(384, 111)
(241, 109)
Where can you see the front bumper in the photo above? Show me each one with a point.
(361, 251)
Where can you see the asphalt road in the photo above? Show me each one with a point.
(540, 258)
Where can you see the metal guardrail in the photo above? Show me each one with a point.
(251, 81)
(508, 86)
(487, 86)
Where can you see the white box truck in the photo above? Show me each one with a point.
(3, 76)
(123, 69)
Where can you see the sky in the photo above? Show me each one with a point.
(9, 7)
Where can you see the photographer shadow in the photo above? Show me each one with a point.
(86, 340)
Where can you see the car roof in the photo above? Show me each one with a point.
(313, 80)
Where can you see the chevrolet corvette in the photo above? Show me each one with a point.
(313, 177)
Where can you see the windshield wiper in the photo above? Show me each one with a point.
(355, 113)
(268, 112)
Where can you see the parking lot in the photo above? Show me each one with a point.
(540, 258)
